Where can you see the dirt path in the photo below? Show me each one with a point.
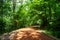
(27, 34)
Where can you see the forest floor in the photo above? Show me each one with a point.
(27, 34)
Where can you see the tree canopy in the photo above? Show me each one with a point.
(15, 14)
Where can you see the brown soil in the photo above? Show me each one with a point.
(29, 34)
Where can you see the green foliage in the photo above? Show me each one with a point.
(22, 13)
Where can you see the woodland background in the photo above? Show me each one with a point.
(15, 14)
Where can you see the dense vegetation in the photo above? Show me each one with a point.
(15, 14)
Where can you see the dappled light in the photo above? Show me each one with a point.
(17, 14)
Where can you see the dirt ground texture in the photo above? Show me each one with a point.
(27, 34)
